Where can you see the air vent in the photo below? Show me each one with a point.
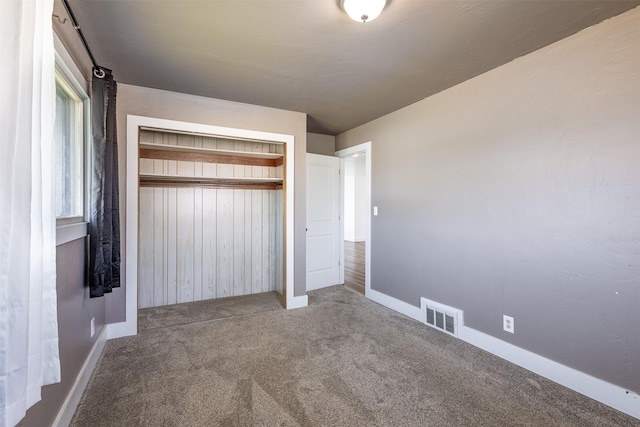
(442, 317)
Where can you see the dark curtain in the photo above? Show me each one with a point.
(104, 265)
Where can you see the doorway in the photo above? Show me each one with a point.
(354, 216)
(355, 200)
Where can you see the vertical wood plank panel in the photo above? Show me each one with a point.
(272, 241)
(145, 237)
(209, 243)
(209, 228)
(184, 245)
(185, 227)
(267, 229)
(145, 254)
(248, 228)
(159, 221)
(158, 245)
(256, 245)
(256, 229)
(170, 236)
(225, 228)
(266, 249)
(146, 165)
(248, 241)
(165, 249)
(238, 242)
(279, 227)
(224, 243)
(198, 218)
(238, 228)
(276, 206)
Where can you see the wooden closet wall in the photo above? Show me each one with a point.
(204, 239)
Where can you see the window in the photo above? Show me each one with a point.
(71, 116)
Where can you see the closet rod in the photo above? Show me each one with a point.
(97, 70)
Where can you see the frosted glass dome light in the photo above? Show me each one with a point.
(363, 10)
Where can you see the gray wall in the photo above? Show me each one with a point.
(321, 144)
(518, 193)
(196, 109)
(75, 310)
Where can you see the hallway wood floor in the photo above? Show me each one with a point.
(354, 266)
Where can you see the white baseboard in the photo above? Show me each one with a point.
(609, 394)
(75, 394)
(394, 304)
(122, 329)
(612, 395)
(297, 302)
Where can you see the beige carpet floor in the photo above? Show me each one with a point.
(343, 361)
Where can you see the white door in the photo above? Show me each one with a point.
(323, 221)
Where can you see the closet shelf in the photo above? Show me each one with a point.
(174, 181)
(149, 150)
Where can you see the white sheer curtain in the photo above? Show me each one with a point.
(28, 323)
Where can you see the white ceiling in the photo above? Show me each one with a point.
(308, 56)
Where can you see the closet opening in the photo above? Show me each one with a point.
(209, 215)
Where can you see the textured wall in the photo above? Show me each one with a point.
(321, 144)
(518, 192)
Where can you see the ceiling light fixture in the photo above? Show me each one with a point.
(363, 10)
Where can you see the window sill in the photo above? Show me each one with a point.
(71, 232)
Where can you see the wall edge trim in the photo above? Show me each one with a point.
(133, 124)
(395, 304)
(297, 302)
(72, 400)
(121, 329)
(599, 390)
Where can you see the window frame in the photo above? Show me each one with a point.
(76, 227)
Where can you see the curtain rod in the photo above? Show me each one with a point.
(97, 70)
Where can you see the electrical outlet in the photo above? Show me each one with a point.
(507, 323)
(93, 326)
